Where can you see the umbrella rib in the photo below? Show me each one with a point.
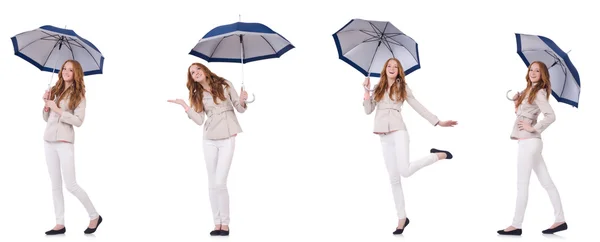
(216, 47)
(50, 53)
(68, 43)
(375, 53)
(369, 33)
(400, 44)
(562, 67)
(75, 43)
(269, 43)
(243, 49)
(385, 40)
(83, 47)
(393, 41)
(387, 45)
(42, 38)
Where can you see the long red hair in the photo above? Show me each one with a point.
(196, 90)
(398, 88)
(75, 92)
(531, 89)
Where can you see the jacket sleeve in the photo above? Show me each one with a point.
(421, 110)
(235, 99)
(76, 118)
(546, 109)
(198, 118)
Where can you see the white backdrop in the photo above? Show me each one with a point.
(307, 166)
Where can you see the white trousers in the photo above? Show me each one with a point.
(395, 148)
(218, 155)
(60, 156)
(530, 158)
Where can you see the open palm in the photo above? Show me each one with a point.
(448, 123)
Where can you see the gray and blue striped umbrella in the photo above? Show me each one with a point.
(47, 47)
(564, 77)
(241, 43)
(366, 45)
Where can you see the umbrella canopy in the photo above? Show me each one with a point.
(366, 45)
(47, 47)
(564, 77)
(241, 43)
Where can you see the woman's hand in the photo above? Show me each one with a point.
(524, 125)
(515, 97)
(180, 102)
(52, 105)
(447, 123)
(367, 84)
(243, 96)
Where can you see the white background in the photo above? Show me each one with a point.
(307, 166)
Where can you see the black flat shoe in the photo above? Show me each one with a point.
(448, 154)
(224, 233)
(400, 231)
(215, 232)
(512, 232)
(91, 231)
(557, 229)
(55, 232)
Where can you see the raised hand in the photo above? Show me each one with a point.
(52, 105)
(243, 95)
(447, 123)
(367, 83)
(516, 96)
(180, 102)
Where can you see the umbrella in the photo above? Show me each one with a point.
(365, 43)
(241, 42)
(49, 46)
(564, 77)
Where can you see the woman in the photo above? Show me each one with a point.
(214, 96)
(388, 97)
(65, 108)
(527, 130)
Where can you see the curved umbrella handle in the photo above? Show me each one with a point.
(367, 89)
(253, 99)
(509, 98)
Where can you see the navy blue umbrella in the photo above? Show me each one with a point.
(364, 44)
(564, 77)
(241, 43)
(47, 47)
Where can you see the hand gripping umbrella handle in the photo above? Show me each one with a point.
(253, 97)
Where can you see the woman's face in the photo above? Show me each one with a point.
(67, 72)
(392, 69)
(197, 73)
(534, 73)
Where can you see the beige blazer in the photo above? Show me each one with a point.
(388, 116)
(530, 113)
(60, 127)
(221, 122)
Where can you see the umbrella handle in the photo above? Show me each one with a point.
(367, 89)
(509, 98)
(253, 97)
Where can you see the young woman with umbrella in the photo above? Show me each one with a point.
(64, 108)
(527, 130)
(215, 97)
(387, 99)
